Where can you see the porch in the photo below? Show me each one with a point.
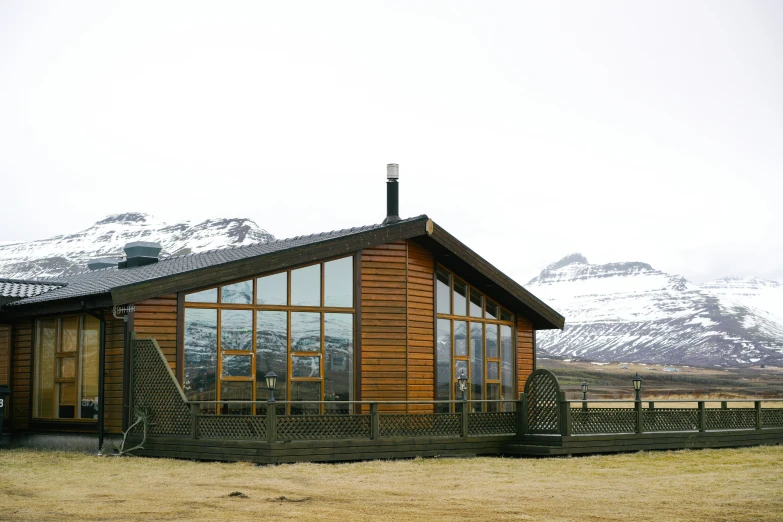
(543, 422)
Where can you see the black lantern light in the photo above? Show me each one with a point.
(271, 381)
(462, 380)
(637, 385)
(584, 390)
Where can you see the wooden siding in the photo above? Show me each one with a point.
(21, 355)
(384, 324)
(158, 318)
(525, 355)
(421, 326)
(114, 341)
(5, 353)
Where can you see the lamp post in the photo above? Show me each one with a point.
(462, 381)
(271, 381)
(584, 390)
(637, 386)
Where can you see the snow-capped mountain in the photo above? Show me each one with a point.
(68, 254)
(632, 312)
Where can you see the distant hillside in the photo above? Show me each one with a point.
(70, 253)
(634, 313)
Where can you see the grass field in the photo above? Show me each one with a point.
(714, 485)
(613, 380)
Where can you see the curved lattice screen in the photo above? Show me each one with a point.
(542, 390)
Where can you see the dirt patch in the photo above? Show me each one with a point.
(286, 499)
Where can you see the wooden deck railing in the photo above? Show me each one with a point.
(270, 426)
(618, 416)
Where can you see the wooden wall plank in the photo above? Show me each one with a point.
(421, 327)
(525, 355)
(21, 354)
(384, 324)
(158, 318)
(114, 344)
(5, 354)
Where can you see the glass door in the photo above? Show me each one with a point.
(236, 361)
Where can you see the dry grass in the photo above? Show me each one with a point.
(714, 485)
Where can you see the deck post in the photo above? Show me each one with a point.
(565, 414)
(724, 405)
(651, 405)
(194, 408)
(757, 404)
(271, 423)
(522, 415)
(637, 406)
(375, 431)
(702, 417)
(463, 432)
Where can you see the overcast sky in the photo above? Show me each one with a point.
(626, 131)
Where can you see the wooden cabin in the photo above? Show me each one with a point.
(392, 313)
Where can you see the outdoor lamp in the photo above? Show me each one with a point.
(462, 380)
(584, 390)
(637, 385)
(271, 380)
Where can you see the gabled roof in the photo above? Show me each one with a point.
(192, 271)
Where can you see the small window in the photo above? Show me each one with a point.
(238, 293)
(492, 310)
(505, 315)
(338, 283)
(476, 303)
(204, 296)
(306, 286)
(273, 289)
(444, 292)
(460, 297)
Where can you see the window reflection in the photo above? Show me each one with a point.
(238, 293)
(476, 304)
(200, 354)
(443, 289)
(236, 330)
(306, 286)
(271, 352)
(338, 282)
(305, 332)
(205, 296)
(273, 289)
(338, 365)
(460, 297)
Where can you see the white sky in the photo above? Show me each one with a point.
(626, 131)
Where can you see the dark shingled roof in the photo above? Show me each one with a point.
(22, 288)
(104, 280)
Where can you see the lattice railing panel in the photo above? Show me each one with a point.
(417, 425)
(312, 427)
(542, 391)
(155, 388)
(772, 418)
(670, 419)
(243, 427)
(733, 419)
(494, 423)
(603, 420)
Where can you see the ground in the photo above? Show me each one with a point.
(714, 485)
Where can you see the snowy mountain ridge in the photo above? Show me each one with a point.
(68, 254)
(634, 313)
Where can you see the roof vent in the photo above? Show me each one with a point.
(106, 262)
(140, 253)
(392, 194)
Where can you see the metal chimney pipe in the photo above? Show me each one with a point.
(392, 194)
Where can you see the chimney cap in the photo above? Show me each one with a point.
(392, 171)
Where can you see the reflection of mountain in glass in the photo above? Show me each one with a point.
(200, 353)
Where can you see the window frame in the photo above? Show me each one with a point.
(77, 381)
(485, 320)
(289, 309)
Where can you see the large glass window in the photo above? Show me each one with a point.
(66, 368)
(300, 325)
(480, 346)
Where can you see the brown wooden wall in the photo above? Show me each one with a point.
(421, 326)
(5, 353)
(525, 354)
(21, 362)
(158, 318)
(114, 342)
(383, 327)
